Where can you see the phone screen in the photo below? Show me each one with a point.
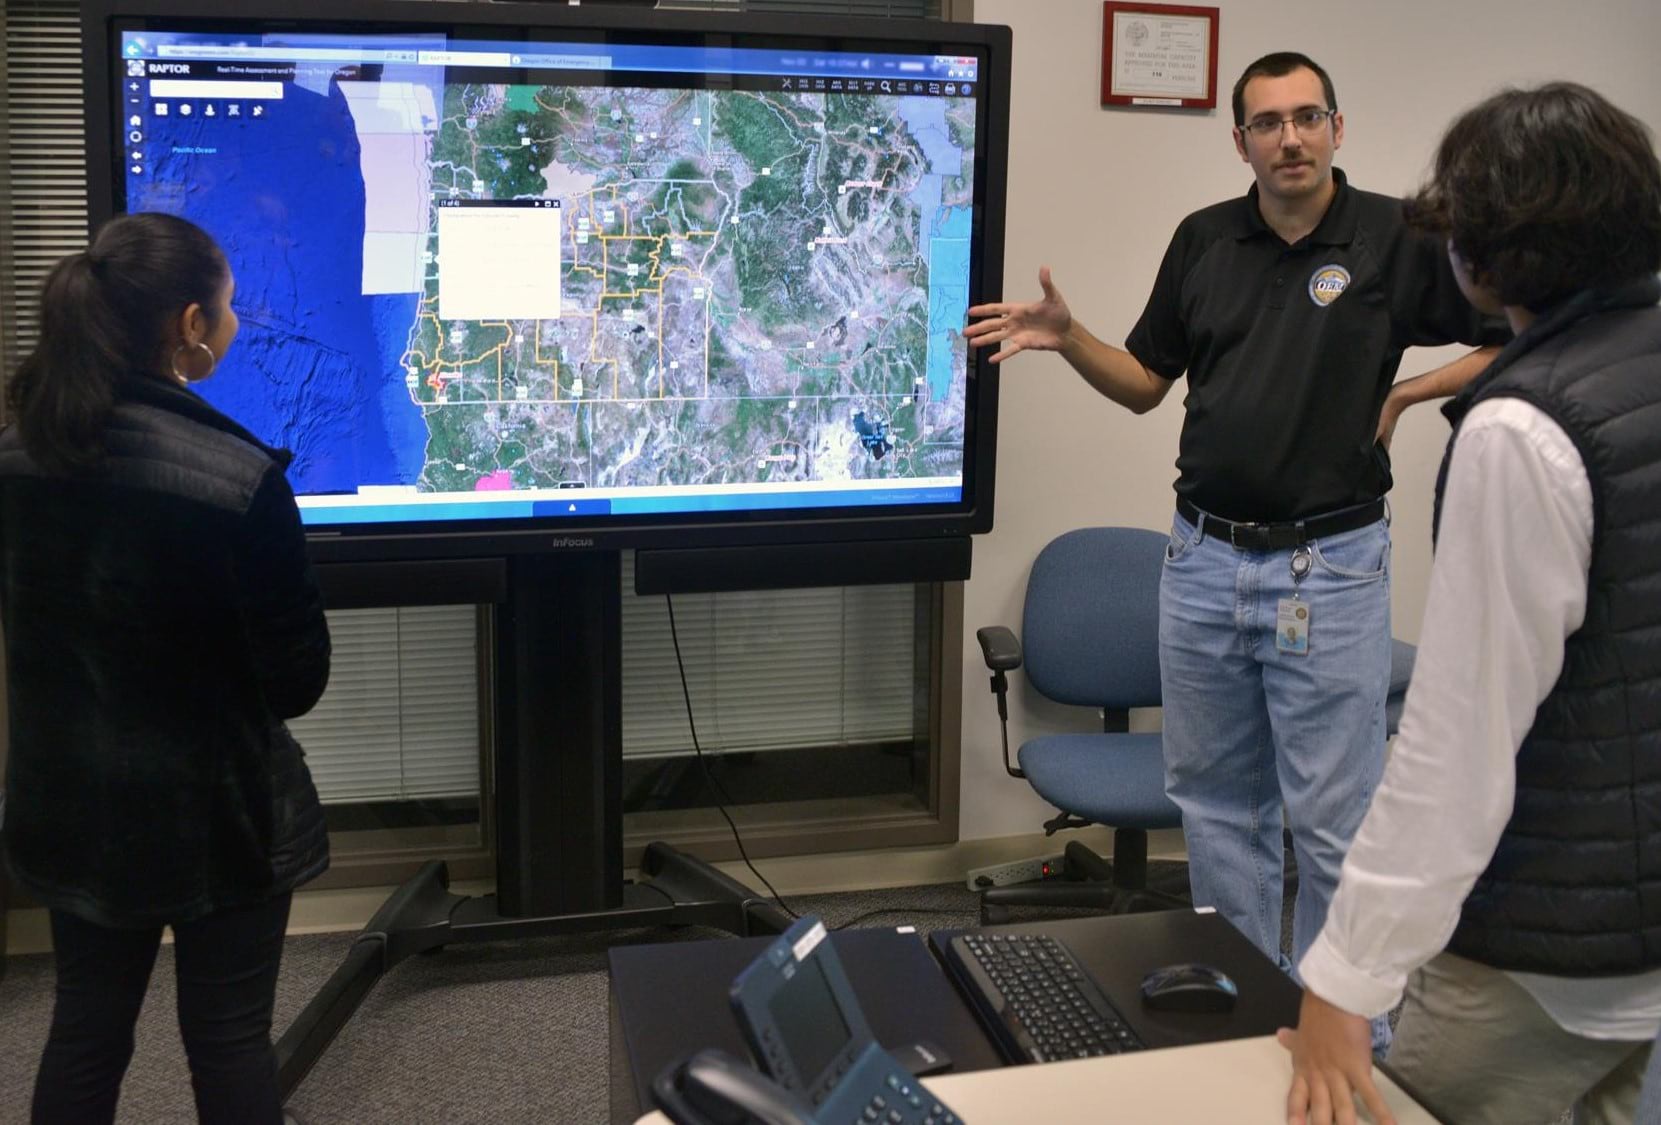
(809, 1021)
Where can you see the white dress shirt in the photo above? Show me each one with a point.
(1508, 586)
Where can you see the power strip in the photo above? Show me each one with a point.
(1019, 871)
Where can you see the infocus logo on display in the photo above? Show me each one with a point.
(571, 541)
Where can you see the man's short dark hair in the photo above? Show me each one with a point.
(1279, 65)
(1546, 192)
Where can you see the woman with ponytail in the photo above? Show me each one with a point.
(161, 621)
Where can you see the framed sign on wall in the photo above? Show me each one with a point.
(1159, 55)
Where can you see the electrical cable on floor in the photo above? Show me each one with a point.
(716, 788)
(905, 910)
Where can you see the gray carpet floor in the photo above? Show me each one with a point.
(495, 1032)
(499, 1032)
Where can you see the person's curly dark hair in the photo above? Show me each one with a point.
(1546, 192)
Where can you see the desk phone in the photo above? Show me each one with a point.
(807, 1032)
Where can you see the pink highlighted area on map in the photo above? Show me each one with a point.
(499, 481)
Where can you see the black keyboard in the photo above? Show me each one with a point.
(1042, 1006)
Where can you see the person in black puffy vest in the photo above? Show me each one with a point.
(1508, 872)
(161, 621)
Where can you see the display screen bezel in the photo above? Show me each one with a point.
(106, 20)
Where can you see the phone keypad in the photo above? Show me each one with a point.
(905, 1103)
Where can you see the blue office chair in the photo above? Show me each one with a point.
(1401, 671)
(1090, 637)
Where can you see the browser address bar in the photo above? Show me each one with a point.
(286, 54)
(465, 58)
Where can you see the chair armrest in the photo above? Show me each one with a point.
(1003, 654)
(999, 647)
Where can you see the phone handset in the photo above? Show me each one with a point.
(714, 1088)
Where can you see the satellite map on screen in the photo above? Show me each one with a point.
(475, 287)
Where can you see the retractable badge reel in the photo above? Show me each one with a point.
(1292, 614)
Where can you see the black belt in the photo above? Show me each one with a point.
(1280, 536)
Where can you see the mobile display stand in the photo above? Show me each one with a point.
(557, 708)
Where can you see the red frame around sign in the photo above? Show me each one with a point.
(1109, 7)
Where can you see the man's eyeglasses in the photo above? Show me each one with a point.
(1307, 122)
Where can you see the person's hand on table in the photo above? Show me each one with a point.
(1332, 1063)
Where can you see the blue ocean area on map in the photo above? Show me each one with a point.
(315, 367)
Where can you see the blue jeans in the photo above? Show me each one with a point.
(1248, 727)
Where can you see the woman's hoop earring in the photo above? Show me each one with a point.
(185, 380)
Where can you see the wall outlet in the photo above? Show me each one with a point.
(1018, 871)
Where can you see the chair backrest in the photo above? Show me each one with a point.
(1090, 628)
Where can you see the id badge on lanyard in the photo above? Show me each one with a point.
(1292, 614)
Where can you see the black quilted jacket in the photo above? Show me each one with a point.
(161, 621)
(1574, 888)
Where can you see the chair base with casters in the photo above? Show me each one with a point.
(1090, 882)
(1125, 769)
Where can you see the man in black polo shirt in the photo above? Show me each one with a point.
(1288, 310)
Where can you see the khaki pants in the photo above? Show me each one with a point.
(1474, 1045)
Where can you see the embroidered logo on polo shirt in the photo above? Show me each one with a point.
(1326, 283)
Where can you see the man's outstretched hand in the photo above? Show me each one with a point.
(1332, 1062)
(1039, 326)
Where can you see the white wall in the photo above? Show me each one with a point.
(1095, 194)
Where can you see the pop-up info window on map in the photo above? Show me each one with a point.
(498, 259)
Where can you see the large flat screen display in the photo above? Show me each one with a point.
(541, 274)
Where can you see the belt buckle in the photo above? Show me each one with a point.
(1234, 530)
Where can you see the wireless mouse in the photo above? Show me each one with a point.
(1191, 987)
